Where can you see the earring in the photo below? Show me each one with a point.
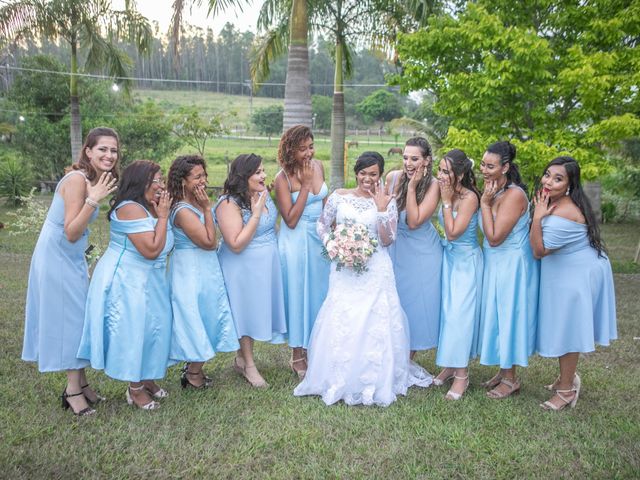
(568, 191)
(183, 195)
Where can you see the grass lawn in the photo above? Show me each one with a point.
(234, 431)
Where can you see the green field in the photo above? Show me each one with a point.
(234, 431)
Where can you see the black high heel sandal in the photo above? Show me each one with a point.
(207, 380)
(99, 398)
(184, 380)
(66, 405)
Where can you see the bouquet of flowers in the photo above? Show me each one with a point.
(350, 245)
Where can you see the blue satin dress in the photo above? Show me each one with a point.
(577, 305)
(56, 293)
(417, 265)
(127, 327)
(462, 267)
(202, 321)
(509, 299)
(305, 273)
(254, 280)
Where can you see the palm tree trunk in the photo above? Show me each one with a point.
(76, 124)
(297, 90)
(337, 123)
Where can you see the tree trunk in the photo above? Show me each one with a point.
(297, 90)
(337, 123)
(76, 124)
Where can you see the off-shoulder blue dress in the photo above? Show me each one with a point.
(577, 304)
(56, 293)
(202, 321)
(305, 273)
(509, 299)
(254, 280)
(127, 327)
(462, 267)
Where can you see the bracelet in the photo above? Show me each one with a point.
(91, 202)
(446, 205)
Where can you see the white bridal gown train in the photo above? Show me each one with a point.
(359, 346)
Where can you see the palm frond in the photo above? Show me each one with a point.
(16, 19)
(268, 48)
(272, 12)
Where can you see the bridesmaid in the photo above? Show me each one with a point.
(127, 326)
(59, 277)
(300, 193)
(417, 251)
(202, 321)
(511, 274)
(576, 307)
(250, 263)
(461, 272)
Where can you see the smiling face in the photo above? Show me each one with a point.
(412, 159)
(256, 183)
(103, 155)
(368, 177)
(305, 151)
(555, 182)
(445, 174)
(153, 191)
(197, 177)
(490, 167)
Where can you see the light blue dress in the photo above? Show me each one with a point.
(305, 273)
(127, 327)
(577, 304)
(254, 280)
(509, 299)
(202, 321)
(417, 265)
(462, 267)
(56, 293)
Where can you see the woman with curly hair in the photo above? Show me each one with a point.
(300, 193)
(202, 321)
(59, 277)
(250, 262)
(576, 306)
(417, 251)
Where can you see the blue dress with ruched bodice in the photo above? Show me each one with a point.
(254, 279)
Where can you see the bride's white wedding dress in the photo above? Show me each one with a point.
(359, 346)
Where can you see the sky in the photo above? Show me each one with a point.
(160, 11)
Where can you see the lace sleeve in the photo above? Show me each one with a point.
(327, 217)
(388, 224)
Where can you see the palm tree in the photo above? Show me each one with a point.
(89, 25)
(293, 32)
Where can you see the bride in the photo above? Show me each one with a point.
(359, 346)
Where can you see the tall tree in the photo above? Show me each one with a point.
(555, 76)
(297, 97)
(88, 25)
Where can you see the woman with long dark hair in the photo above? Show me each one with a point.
(300, 194)
(202, 321)
(250, 262)
(417, 252)
(462, 267)
(127, 327)
(59, 277)
(510, 281)
(576, 308)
